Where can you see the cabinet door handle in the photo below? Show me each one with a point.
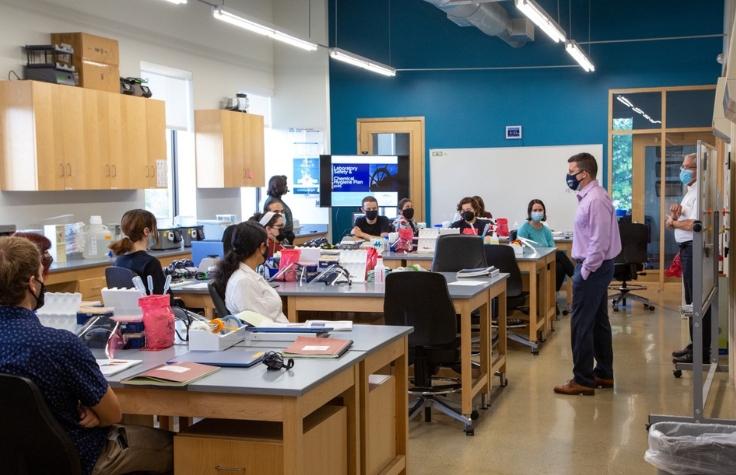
(61, 165)
(69, 169)
(114, 171)
(148, 171)
(107, 170)
(220, 469)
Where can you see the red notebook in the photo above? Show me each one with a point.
(176, 375)
(312, 347)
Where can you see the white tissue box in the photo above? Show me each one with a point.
(204, 340)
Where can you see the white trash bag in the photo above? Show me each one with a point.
(687, 449)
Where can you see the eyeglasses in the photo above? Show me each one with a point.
(687, 168)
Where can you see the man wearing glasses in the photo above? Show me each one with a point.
(681, 219)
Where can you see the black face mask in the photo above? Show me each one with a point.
(572, 180)
(40, 297)
(281, 236)
(468, 215)
(408, 213)
(372, 214)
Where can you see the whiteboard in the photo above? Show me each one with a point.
(507, 178)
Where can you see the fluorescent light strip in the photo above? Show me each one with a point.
(574, 50)
(361, 62)
(540, 18)
(255, 27)
(177, 2)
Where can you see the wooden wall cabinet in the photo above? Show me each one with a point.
(230, 150)
(67, 138)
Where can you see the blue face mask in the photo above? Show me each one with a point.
(686, 176)
(572, 181)
(537, 216)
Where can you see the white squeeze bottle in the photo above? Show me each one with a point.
(379, 272)
(96, 238)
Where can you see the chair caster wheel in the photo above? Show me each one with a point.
(469, 432)
(651, 308)
(615, 309)
(677, 373)
(504, 382)
(565, 313)
(474, 415)
(535, 352)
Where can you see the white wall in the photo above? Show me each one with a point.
(222, 59)
(301, 94)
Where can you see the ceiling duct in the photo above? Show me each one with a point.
(490, 18)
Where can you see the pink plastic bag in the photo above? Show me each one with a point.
(502, 227)
(158, 321)
(289, 257)
(406, 238)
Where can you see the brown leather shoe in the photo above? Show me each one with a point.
(603, 383)
(571, 388)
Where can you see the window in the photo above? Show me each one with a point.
(179, 198)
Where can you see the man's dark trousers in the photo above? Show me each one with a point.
(686, 258)
(591, 330)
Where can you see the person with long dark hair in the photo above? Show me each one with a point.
(278, 187)
(137, 226)
(236, 277)
(534, 229)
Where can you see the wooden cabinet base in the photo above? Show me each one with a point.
(218, 446)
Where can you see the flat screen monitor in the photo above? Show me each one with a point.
(349, 178)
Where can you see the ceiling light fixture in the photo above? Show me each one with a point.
(574, 50)
(536, 14)
(260, 29)
(361, 62)
(177, 2)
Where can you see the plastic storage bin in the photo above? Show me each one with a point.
(685, 448)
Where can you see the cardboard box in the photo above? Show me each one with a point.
(90, 47)
(103, 77)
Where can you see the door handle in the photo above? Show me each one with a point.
(220, 469)
(114, 170)
(61, 165)
(148, 171)
(69, 168)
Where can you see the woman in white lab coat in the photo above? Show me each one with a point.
(236, 277)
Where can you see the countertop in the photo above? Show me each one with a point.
(76, 264)
(307, 372)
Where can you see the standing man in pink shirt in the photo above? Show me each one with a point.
(596, 242)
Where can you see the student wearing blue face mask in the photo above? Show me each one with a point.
(534, 228)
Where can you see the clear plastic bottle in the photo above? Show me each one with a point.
(379, 272)
(96, 238)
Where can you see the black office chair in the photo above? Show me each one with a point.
(218, 300)
(503, 258)
(32, 442)
(456, 251)
(629, 264)
(119, 277)
(422, 300)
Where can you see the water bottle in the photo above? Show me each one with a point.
(379, 272)
(96, 238)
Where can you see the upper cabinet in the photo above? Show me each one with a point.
(68, 138)
(230, 150)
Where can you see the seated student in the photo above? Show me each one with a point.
(67, 375)
(274, 225)
(236, 277)
(406, 215)
(285, 237)
(534, 228)
(482, 212)
(371, 226)
(469, 223)
(43, 244)
(137, 225)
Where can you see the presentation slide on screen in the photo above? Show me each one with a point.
(356, 177)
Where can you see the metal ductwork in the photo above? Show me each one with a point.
(490, 18)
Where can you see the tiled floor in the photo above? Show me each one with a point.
(530, 430)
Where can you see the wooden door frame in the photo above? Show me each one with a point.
(663, 131)
(417, 168)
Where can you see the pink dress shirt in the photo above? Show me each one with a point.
(596, 237)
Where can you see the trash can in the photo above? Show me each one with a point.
(679, 448)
